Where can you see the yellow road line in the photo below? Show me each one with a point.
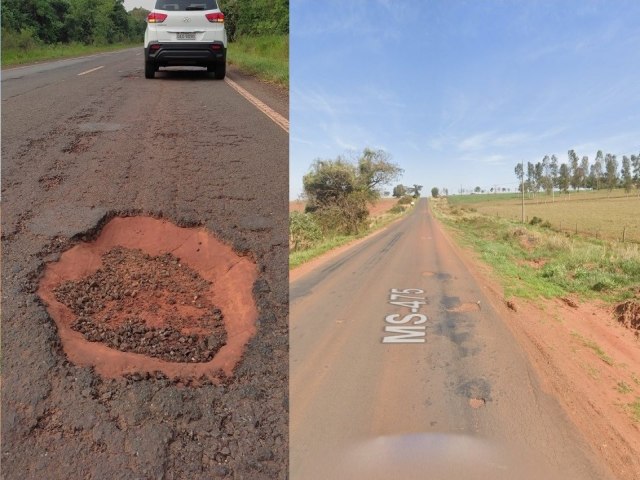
(268, 111)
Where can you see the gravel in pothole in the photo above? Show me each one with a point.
(154, 306)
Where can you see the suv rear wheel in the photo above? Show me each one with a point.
(149, 70)
(219, 70)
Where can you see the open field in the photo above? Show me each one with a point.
(600, 214)
(534, 261)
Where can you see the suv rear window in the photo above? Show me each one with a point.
(184, 5)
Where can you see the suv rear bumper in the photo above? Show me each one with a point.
(183, 53)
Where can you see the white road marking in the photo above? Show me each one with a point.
(92, 70)
(138, 54)
(268, 111)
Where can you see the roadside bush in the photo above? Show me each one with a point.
(346, 217)
(535, 221)
(405, 200)
(24, 40)
(304, 232)
(396, 209)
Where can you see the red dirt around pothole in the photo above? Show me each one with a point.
(122, 317)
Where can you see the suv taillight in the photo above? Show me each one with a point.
(215, 17)
(155, 17)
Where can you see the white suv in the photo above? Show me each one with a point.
(185, 32)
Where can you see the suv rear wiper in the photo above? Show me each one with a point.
(194, 8)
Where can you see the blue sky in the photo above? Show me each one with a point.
(458, 92)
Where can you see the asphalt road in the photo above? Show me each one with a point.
(451, 397)
(84, 140)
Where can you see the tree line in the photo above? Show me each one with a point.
(28, 23)
(605, 172)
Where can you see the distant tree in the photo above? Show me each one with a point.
(547, 180)
(435, 192)
(611, 166)
(531, 177)
(584, 170)
(598, 170)
(477, 189)
(574, 165)
(554, 171)
(399, 191)
(519, 171)
(564, 178)
(635, 162)
(416, 190)
(538, 176)
(627, 177)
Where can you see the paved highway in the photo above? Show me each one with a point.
(400, 368)
(89, 138)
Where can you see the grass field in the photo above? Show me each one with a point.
(600, 214)
(534, 261)
(267, 57)
(12, 57)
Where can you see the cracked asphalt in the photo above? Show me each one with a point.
(80, 149)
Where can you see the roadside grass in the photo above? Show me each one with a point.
(18, 56)
(297, 258)
(266, 57)
(600, 214)
(594, 347)
(634, 409)
(533, 261)
(624, 387)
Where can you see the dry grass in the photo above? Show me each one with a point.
(595, 213)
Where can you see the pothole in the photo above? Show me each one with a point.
(147, 296)
(477, 402)
(465, 307)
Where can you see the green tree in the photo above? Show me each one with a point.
(611, 166)
(416, 190)
(399, 191)
(627, 177)
(598, 170)
(435, 192)
(338, 191)
(584, 170)
(574, 165)
(564, 178)
(635, 163)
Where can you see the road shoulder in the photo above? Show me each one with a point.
(562, 342)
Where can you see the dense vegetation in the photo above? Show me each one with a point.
(255, 18)
(29, 23)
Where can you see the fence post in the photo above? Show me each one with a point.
(576, 228)
(624, 233)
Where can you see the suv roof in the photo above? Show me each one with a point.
(185, 5)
